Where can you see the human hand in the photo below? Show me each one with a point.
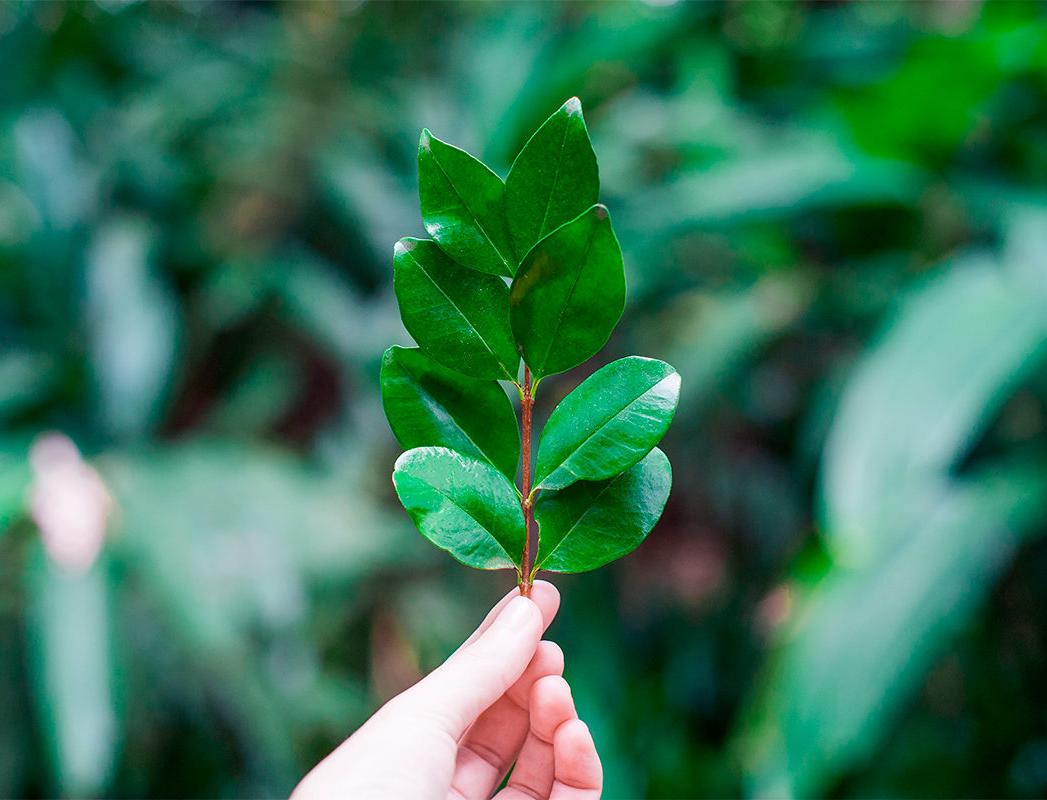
(498, 699)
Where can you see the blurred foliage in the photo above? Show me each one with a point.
(834, 220)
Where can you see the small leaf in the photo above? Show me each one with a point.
(463, 207)
(553, 180)
(462, 505)
(593, 523)
(568, 294)
(458, 316)
(430, 405)
(608, 423)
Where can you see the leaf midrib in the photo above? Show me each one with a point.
(577, 522)
(570, 294)
(421, 388)
(467, 207)
(482, 527)
(607, 422)
(461, 313)
(556, 179)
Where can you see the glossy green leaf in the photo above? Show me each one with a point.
(463, 207)
(554, 178)
(608, 423)
(462, 505)
(568, 294)
(430, 405)
(458, 316)
(594, 522)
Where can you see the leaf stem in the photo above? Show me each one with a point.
(526, 406)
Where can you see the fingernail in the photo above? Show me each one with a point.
(517, 611)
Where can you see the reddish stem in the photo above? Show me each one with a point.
(526, 405)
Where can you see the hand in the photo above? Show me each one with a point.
(498, 699)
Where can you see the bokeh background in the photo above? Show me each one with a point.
(834, 221)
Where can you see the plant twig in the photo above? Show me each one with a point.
(526, 406)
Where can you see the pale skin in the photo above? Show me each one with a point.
(500, 700)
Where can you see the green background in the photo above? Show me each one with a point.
(834, 225)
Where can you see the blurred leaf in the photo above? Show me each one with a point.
(463, 207)
(591, 524)
(428, 405)
(132, 327)
(797, 172)
(553, 179)
(918, 401)
(25, 377)
(863, 642)
(458, 316)
(569, 294)
(250, 526)
(57, 181)
(354, 328)
(462, 505)
(915, 548)
(711, 336)
(69, 622)
(15, 477)
(608, 423)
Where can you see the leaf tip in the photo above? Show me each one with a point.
(425, 140)
(600, 212)
(403, 246)
(573, 107)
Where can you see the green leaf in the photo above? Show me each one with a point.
(462, 505)
(68, 614)
(608, 423)
(463, 207)
(799, 736)
(132, 327)
(921, 397)
(458, 316)
(553, 179)
(593, 523)
(430, 405)
(568, 294)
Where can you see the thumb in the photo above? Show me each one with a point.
(480, 672)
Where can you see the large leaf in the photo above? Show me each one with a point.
(592, 523)
(463, 207)
(608, 423)
(914, 547)
(866, 637)
(429, 405)
(919, 399)
(568, 294)
(462, 505)
(458, 316)
(553, 179)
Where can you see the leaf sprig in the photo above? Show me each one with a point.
(599, 483)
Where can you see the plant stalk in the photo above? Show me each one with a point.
(526, 406)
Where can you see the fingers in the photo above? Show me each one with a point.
(578, 772)
(543, 593)
(551, 707)
(480, 672)
(491, 745)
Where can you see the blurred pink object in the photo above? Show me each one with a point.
(69, 502)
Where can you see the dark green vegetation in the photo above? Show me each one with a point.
(566, 296)
(833, 224)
